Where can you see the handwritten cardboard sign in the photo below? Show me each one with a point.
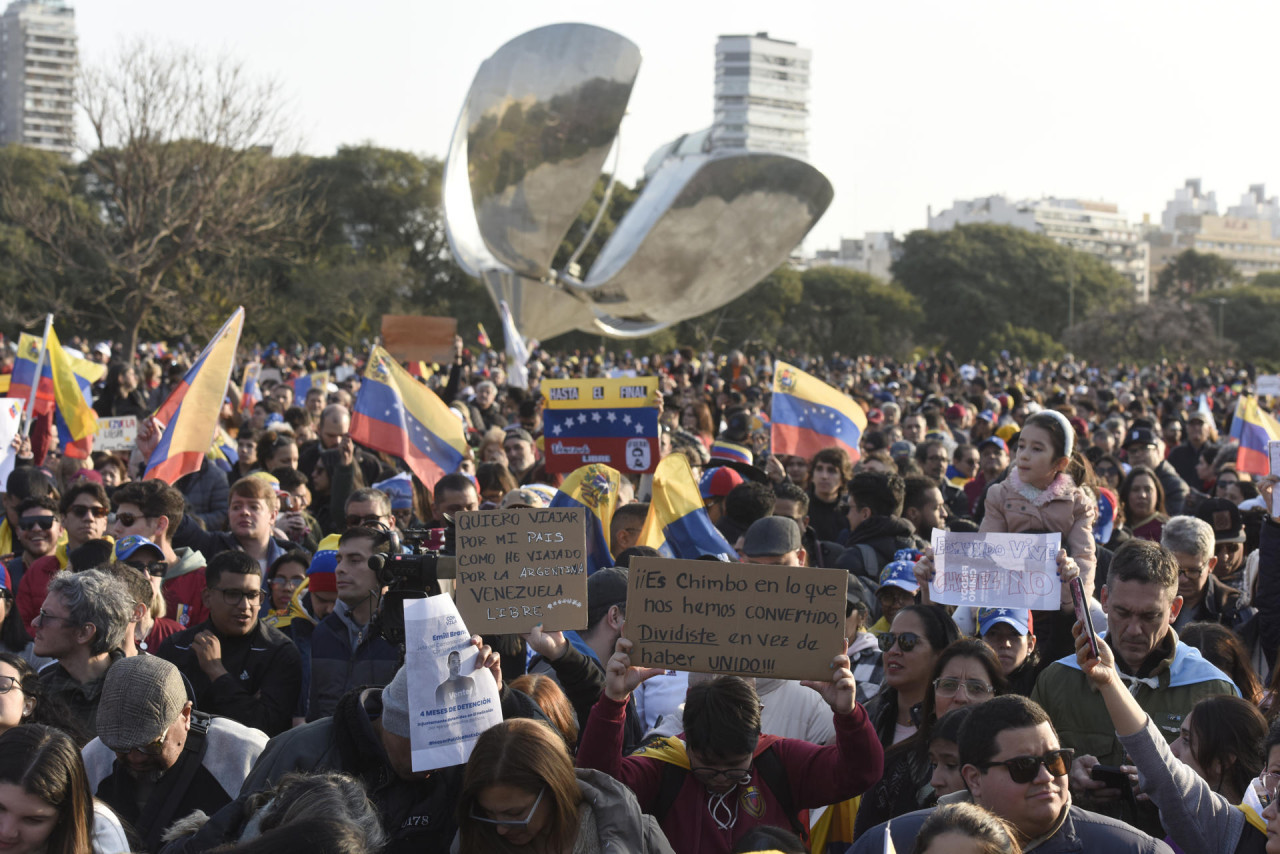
(737, 619)
(521, 567)
(996, 570)
(116, 434)
(609, 421)
(418, 338)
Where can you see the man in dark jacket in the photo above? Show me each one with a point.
(1144, 447)
(793, 502)
(239, 667)
(1204, 597)
(155, 760)
(1014, 736)
(876, 530)
(253, 512)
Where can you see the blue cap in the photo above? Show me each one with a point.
(994, 440)
(126, 546)
(399, 489)
(900, 573)
(1018, 618)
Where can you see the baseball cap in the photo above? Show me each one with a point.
(1200, 416)
(724, 451)
(1225, 519)
(605, 588)
(1018, 618)
(518, 433)
(321, 574)
(1140, 436)
(994, 440)
(717, 482)
(102, 347)
(127, 546)
(523, 497)
(875, 416)
(900, 573)
(954, 411)
(901, 448)
(399, 489)
(771, 536)
(141, 697)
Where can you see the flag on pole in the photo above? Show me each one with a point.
(1204, 407)
(251, 392)
(809, 415)
(594, 487)
(483, 337)
(396, 414)
(678, 525)
(517, 349)
(1253, 428)
(73, 396)
(189, 415)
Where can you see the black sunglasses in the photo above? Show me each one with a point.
(1024, 769)
(906, 641)
(44, 523)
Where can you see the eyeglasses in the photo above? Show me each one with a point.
(1024, 769)
(502, 822)
(8, 683)
(730, 775)
(156, 569)
(976, 689)
(44, 523)
(154, 748)
(44, 616)
(372, 520)
(906, 641)
(1192, 575)
(84, 510)
(1265, 786)
(291, 583)
(128, 519)
(234, 596)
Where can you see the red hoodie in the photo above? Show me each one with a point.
(818, 776)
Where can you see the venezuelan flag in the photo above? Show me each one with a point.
(306, 382)
(223, 452)
(595, 487)
(809, 415)
(250, 391)
(190, 414)
(397, 414)
(1253, 428)
(677, 524)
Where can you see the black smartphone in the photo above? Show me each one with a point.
(1115, 778)
(1081, 602)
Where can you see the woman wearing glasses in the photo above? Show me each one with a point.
(966, 673)
(911, 647)
(1211, 786)
(521, 793)
(23, 700)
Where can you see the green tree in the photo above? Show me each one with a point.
(1266, 280)
(1250, 318)
(972, 280)
(852, 312)
(1193, 272)
(1162, 329)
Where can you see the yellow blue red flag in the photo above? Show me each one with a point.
(678, 525)
(190, 414)
(808, 415)
(306, 382)
(594, 487)
(73, 394)
(1253, 428)
(398, 415)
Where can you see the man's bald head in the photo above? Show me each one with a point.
(335, 422)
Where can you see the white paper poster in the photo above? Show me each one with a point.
(451, 703)
(996, 570)
(1268, 385)
(116, 434)
(10, 420)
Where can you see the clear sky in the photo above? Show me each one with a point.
(912, 103)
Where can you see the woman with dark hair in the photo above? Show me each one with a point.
(696, 418)
(121, 395)
(1142, 497)
(917, 636)
(944, 752)
(494, 481)
(966, 673)
(23, 699)
(277, 451)
(1222, 648)
(45, 799)
(829, 474)
(520, 792)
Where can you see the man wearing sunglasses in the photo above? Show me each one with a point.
(156, 759)
(83, 516)
(153, 509)
(239, 667)
(39, 530)
(1014, 766)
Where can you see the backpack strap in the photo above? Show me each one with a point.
(669, 786)
(774, 775)
(870, 562)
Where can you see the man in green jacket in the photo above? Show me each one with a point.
(1166, 677)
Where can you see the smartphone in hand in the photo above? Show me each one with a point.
(1081, 602)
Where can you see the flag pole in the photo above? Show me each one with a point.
(35, 383)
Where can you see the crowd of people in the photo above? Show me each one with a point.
(201, 665)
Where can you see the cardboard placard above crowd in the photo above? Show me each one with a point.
(116, 434)
(414, 338)
(609, 421)
(736, 619)
(523, 567)
(996, 570)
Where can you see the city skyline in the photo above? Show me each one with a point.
(909, 108)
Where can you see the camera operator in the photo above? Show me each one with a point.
(346, 651)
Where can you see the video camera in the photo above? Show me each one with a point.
(411, 569)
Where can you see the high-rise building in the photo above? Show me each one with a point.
(762, 96)
(1188, 201)
(38, 59)
(1097, 228)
